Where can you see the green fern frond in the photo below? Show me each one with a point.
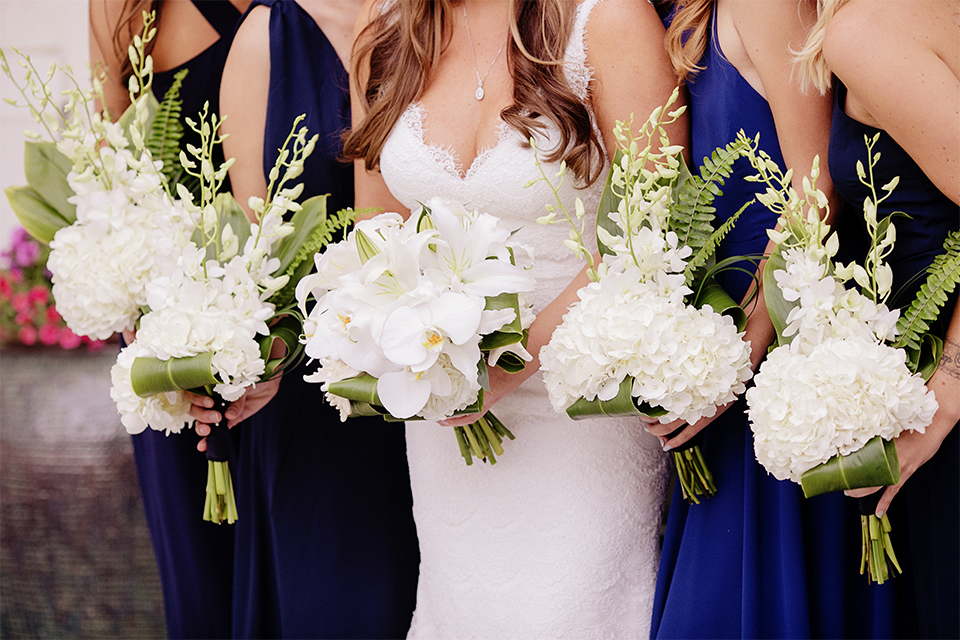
(321, 236)
(705, 252)
(692, 214)
(942, 277)
(166, 130)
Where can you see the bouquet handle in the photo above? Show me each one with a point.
(692, 472)
(220, 504)
(876, 549)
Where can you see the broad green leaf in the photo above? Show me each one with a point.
(777, 307)
(358, 389)
(312, 214)
(874, 465)
(720, 301)
(36, 215)
(609, 203)
(46, 169)
(623, 404)
(150, 376)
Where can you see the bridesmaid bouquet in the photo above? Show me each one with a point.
(847, 374)
(210, 292)
(653, 333)
(409, 315)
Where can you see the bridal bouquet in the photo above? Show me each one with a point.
(653, 333)
(847, 374)
(409, 315)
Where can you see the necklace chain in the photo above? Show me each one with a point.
(479, 93)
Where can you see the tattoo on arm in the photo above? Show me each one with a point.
(950, 361)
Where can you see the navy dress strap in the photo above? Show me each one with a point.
(222, 16)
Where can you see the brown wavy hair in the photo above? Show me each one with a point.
(130, 23)
(688, 35)
(403, 45)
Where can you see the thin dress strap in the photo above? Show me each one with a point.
(221, 14)
(577, 71)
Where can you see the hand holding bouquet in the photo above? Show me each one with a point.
(847, 374)
(409, 315)
(650, 334)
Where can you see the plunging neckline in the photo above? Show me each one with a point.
(443, 154)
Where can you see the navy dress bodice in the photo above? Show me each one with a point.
(929, 502)
(329, 548)
(757, 560)
(194, 558)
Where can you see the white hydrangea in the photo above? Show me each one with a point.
(683, 359)
(127, 231)
(808, 406)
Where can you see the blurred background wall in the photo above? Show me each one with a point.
(75, 557)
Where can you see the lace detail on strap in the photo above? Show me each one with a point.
(578, 72)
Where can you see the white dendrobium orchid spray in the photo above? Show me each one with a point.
(649, 335)
(409, 314)
(847, 374)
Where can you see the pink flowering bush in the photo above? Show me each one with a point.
(28, 315)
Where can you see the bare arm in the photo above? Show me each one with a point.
(899, 62)
(104, 16)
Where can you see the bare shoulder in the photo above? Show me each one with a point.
(614, 23)
(772, 27)
(253, 37)
(870, 34)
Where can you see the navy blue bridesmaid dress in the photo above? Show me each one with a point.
(758, 560)
(194, 558)
(927, 508)
(326, 544)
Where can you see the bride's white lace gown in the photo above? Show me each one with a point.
(559, 539)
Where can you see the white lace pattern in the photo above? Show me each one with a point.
(559, 539)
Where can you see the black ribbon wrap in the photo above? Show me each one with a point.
(689, 444)
(218, 442)
(868, 504)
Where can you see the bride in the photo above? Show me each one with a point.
(559, 539)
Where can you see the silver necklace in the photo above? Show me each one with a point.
(479, 93)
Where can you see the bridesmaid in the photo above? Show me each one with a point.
(898, 66)
(329, 548)
(756, 560)
(194, 558)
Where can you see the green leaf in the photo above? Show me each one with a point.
(312, 214)
(358, 389)
(150, 376)
(510, 333)
(35, 214)
(287, 330)
(720, 301)
(623, 404)
(874, 465)
(777, 307)
(692, 213)
(166, 131)
(47, 170)
(609, 203)
(705, 253)
(942, 277)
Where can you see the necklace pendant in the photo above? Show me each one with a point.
(479, 94)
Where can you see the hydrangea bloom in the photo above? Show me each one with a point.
(683, 359)
(808, 406)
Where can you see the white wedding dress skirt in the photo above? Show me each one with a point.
(560, 538)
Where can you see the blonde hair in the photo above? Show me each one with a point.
(810, 61)
(403, 46)
(688, 35)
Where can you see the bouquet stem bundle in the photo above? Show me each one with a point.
(482, 439)
(220, 504)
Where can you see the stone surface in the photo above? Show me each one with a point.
(75, 554)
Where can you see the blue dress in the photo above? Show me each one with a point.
(758, 560)
(326, 543)
(928, 505)
(194, 558)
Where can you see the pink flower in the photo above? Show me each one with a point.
(92, 345)
(27, 335)
(20, 303)
(6, 290)
(16, 276)
(49, 334)
(53, 315)
(39, 294)
(24, 318)
(69, 340)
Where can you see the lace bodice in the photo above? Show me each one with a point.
(559, 539)
(494, 183)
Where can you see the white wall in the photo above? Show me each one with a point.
(48, 31)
